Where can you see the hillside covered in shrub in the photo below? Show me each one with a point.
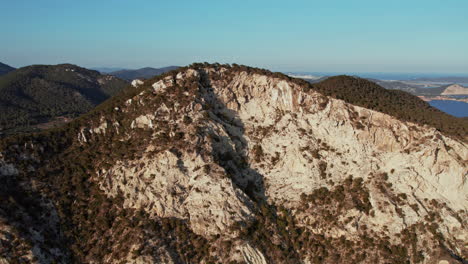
(40, 93)
(399, 104)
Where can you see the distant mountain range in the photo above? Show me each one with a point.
(142, 73)
(43, 96)
(444, 79)
(411, 88)
(107, 69)
(39, 94)
(396, 85)
(4, 69)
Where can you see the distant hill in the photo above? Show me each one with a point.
(444, 79)
(4, 69)
(429, 91)
(451, 89)
(41, 93)
(142, 73)
(397, 103)
(310, 80)
(381, 95)
(396, 85)
(455, 89)
(413, 86)
(106, 69)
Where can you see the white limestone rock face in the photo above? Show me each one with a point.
(426, 164)
(212, 147)
(420, 161)
(167, 186)
(307, 141)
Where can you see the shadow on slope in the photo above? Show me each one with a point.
(34, 219)
(235, 161)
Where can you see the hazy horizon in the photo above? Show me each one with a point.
(299, 72)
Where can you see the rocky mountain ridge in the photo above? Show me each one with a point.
(213, 163)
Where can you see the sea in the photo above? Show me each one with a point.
(455, 108)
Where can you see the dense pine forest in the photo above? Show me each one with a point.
(41, 93)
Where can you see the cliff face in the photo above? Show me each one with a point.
(256, 168)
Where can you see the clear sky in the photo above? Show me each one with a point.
(325, 35)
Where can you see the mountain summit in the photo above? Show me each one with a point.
(221, 164)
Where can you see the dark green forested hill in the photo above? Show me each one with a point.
(4, 69)
(142, 73)
(362, 92)
(39, 93)
(399, 104)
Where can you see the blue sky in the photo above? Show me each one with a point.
(324, 36)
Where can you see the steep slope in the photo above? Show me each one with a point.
(40, 93)
(227, 164)
(142, 73)
(4, 69)
(399, 104)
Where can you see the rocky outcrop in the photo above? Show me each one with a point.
(135, 83)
